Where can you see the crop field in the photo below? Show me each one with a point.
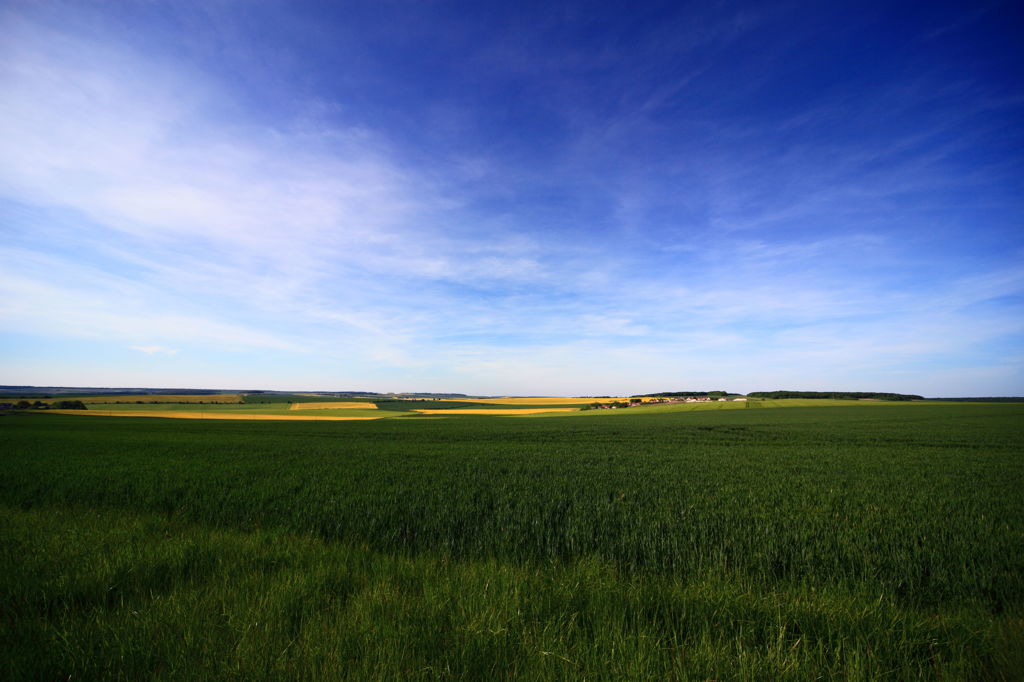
(539, 401)
(222, 414)
(343, 409)
(245, 407)
(500, 411)
(487, 406)
(153, 398)
(752, 405)
(277, 398)
(334, 406)
(248, 411)
(220, 411)
(857, 542)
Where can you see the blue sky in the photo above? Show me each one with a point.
(513, 198)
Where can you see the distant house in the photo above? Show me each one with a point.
(739, 400)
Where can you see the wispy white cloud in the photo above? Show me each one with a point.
(308, 222)
(84, 311)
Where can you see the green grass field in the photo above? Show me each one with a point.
(854, 542)
(212, 411)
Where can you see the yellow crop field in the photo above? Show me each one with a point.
(536, 410)
(153, 398)
(187, 414)
(333, 406)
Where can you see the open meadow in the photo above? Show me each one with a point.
(729, 541)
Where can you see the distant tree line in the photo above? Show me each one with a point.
(59, 405)
(69, 405)
(834, 395)
(612, 405)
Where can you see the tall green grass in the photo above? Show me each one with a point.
(758, 544)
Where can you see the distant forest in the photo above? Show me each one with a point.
(834, 395)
